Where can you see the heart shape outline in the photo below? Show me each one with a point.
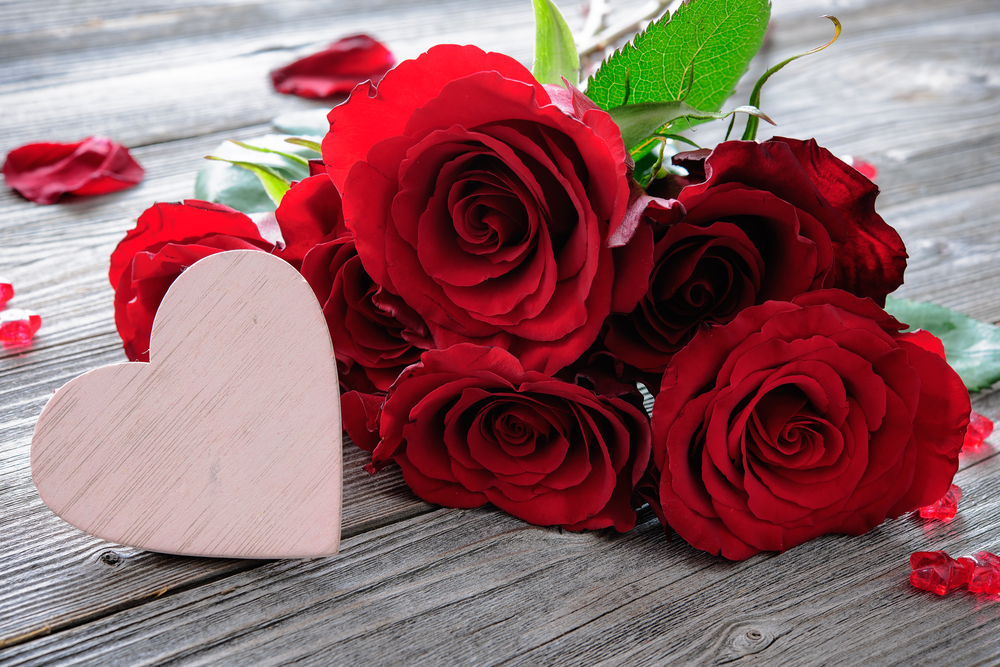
(228, 443)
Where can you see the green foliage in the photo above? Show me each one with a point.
(225, 183)
(696, 55)
(971, 347)
(311, 122)
(555, 50)
(751, 130)
(638, 121)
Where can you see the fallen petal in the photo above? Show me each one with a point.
(336, 70)
(43, 172)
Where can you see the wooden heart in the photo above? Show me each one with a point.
(227, 443)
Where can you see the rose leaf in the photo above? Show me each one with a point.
(971, 347)
(241, 189)
(274, 185)
(697, 55)
(555, 51)
(638, 121)
(311, 122)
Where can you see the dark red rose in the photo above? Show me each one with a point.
(799, 419)
(375, 335)
(488, 202)
(95, 166)
(769, 221)
(468, 425)
(337, 69)
(167, 239)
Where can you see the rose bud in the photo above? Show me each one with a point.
(43, 172)
(488, 202)
(799, 419)
(335, 70)
(468, 425)
(768, 221)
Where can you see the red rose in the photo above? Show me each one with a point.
(768, 222)
(375, 335)
(468, 425)
(800, 419)
(337, 69)
(167, 239)
(95, 166)
(487, 202)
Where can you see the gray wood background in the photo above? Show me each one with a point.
(912, 86)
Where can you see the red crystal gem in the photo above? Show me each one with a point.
(985, 576)
(938, 572)
(6, 292)
(18, 326)
(980, 428)
(944, 509)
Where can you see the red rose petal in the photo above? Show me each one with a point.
(43, 172)
(369, 117)
(337, 69)
(309, 212)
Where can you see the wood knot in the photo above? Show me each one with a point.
(111, 559)
(752, 640)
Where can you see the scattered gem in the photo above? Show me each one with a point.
(944, 509)
(18, 326)
(867, 169)
(938, 572)
(980, 428)
(985, 576)
(6, 292)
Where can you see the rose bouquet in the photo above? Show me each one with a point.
(509, 265)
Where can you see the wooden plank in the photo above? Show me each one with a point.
(945, 220)
(140, 101)
(478, 587)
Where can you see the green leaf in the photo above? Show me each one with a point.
(638, 121)
(555, 50)
(971, 347)
(312, 122)
(750, 133)
(230, 185)
(274, 185)
(260, 149)
(306, 143)
(697, 55)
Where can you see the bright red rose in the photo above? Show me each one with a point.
(167, 239)
(468, 425)
(488, 202)
(768, 221)
(335, 70)
(799, 419)
(95, 166)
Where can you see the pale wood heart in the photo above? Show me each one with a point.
(228, 443)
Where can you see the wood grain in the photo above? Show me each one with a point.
(477, 587)
(911, 86)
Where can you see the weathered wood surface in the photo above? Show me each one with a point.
(912, 86)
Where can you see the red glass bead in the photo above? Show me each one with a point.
(944, 509)
(980, 428)
(985, 575)
(6, 292)
(18, 326)
(938, 572)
